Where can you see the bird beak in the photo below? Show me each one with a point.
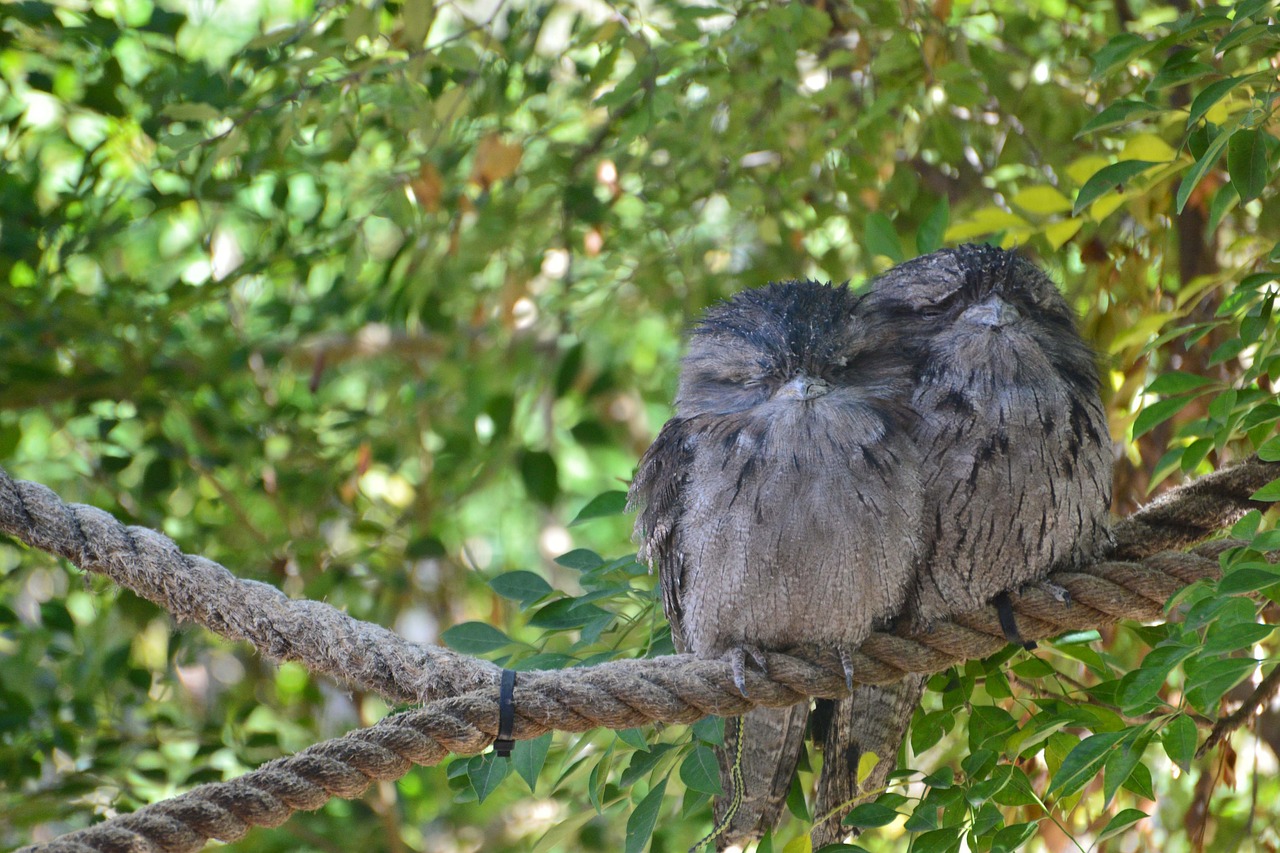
(993, 312)
(804, 387)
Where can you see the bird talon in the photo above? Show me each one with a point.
(737, 658)
(846, 662)
(1060, 594)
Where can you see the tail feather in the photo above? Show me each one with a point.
(772, 741)
(874, 719)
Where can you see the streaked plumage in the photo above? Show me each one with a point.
(781, 504)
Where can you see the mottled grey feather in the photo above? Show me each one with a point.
(1015, 449)
(1015, 458)
(782, 503)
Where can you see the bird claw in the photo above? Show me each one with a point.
(737, 658)
(1060, 594)
(846, 662)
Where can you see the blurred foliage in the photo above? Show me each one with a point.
(369, 300)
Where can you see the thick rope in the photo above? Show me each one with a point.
(320, 637)
(616, 695)
(620, 694)
(1189, 513)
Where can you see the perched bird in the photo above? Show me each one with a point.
(1014, 453)
(1012, 435)
(782, 506)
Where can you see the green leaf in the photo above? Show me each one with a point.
(1269, 492)
(1209, 96)
(604, 504)
(709, 730)
(642, 762)
(869, 816)
(1083, 763)
(522, 586)
(1269, 450)
(929, 728)
(1140, 782)
(941, 840)
(980, 792)
(1012, 838)
(1121, 112)
(642, 820)
(1119, 767)
(1157, 413)
(1177, 382)
(929, 237)
(528, 757)
(1242, 36)
(1247, 163)
(1178, 71)
(701, 772)
(1143, 683)
(565, 613)
(633, 738)
(486, 773)
(1250, 521)
(1251, 8)
(795, 800)
(1179, 740)
(1118, 50)
(1201, 167)
(598, 780)
(475, 638)
(1121, 822)
(538, 471)
(882, 239)
(1232, 638)
(1109, 178)
(986, 819)
(580, 559)
(1207, 684)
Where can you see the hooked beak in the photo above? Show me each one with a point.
(993, 312)
(804, 387)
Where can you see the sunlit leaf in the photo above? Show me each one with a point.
(1209, 96)
(1083, 763)
(1123, 821)
(601, 506)
(1108, 179)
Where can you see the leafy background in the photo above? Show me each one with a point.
(371, 301)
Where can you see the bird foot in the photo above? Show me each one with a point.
(737, 658)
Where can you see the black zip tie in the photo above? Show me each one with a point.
(1004, 609)
(506, 714)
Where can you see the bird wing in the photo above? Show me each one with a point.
(659, 491)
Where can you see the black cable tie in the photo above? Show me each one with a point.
(506, 714)
(1004, 609)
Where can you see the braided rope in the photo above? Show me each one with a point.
(616, 695)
